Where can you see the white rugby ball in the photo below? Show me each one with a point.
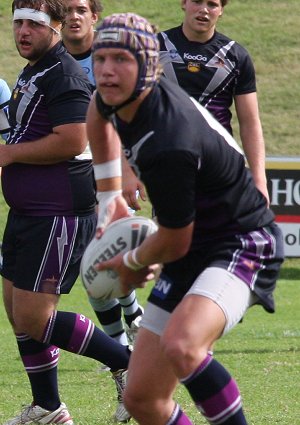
(119, 237)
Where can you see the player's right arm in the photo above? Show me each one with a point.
(158, 248)
(131, 185)
(106, 152)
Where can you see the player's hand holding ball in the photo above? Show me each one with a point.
(105, 272)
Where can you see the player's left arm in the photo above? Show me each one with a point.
(65, 142)
(251, 135)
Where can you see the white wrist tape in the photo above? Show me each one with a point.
(134, 259)
(105, 199)
(133, 264)
(108, 169)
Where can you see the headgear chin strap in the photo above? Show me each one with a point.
(134, 33)
(34, 15)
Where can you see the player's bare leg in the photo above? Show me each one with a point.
(151, 382)
(182, 353)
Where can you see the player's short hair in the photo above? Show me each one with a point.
(224, 2)
(95, 6)
(56, 9)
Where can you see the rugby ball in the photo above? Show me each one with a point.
(119, 237)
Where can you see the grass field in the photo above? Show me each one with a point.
(268, 29)
(262, 353)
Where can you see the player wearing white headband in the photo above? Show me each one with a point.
(48, 184)
(48, 13)
(38, 16)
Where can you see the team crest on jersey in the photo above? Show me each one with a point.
(173, 54)
(194, 67)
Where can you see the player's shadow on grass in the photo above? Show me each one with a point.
(289, 273)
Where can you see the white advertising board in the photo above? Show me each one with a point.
(283, 176)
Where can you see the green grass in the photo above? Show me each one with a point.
(268, 29)
(262, 353)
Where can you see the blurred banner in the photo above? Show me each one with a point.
(283, 175)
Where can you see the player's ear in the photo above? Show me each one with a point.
(95, 18)
(183, 3)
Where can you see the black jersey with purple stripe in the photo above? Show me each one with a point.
(192, 167)
(194, 171)
(53, 92)
(212, 73)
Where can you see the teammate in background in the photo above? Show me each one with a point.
(4, 98)
(219, 246)
(48, 183)
(78, 35)
(78, 31)
(216, 71)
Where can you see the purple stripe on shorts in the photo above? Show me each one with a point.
(248, 261)
(57, 255)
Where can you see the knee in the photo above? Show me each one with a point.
(183, 355)
(135, 404)
(29, 325)
(146, 406)
(22, 323)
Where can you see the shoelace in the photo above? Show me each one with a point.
(25, 413)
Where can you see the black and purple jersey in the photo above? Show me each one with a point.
(217, 191)
(212, 73)
(53, 92)
(194, 171)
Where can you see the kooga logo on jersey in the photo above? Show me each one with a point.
(188, 56)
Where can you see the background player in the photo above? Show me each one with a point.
(216, 71)
(48, 183)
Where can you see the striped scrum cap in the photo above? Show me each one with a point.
(134, 33)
